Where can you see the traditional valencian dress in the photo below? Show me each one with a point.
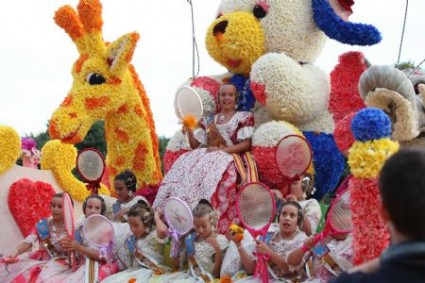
(200, 257)
(213, 175)
(95, 270)
(48, 262)
(338, 260)
(118, 205)
(143, 257)
(281, 246)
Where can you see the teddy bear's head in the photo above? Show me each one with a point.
(247, 29)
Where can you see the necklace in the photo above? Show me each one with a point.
(54, 228)
(222, 117)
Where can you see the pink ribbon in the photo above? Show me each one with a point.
(261, 267)
(175, 242)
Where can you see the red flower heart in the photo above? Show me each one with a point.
(29, 202)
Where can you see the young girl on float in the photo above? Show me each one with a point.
(278, 245)
(205, 249)
(326, 259)
(40, 265)
(300, 191)
(108, 264)
(144, 251)
(125, 185)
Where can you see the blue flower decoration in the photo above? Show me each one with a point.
(329, 163)
(345, 32)
(371, 124)
(246, 97)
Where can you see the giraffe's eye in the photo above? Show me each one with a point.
(95, 79)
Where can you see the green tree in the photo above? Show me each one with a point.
(405, 65)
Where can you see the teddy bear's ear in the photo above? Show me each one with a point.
(331, 22)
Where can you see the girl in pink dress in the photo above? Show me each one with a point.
(35, 266)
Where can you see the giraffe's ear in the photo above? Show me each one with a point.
(120, 52)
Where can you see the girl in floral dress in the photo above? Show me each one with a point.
(205, 249)
(36, 266)
(325, 263)
(280, 242)
(104, 264)
(219, 162)
(144, 250)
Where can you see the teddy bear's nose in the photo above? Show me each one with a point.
(220, 28)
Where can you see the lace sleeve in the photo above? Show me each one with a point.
(201, 136)
(245, 128)
(232, 261)
(313, 213)
(32, 238)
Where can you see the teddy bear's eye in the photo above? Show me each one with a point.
(259, 12)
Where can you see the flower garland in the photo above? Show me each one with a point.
(60, 158)
(366, 158)
(10, 148)
(345, 96)
(29, 202)
(343, 135)
(370, 236)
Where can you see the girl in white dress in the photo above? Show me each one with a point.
(204, 249)
(280, 241)
(326, 259)
(144, 251)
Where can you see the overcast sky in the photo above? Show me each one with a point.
(36, 55)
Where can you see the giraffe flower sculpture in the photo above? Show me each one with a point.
(106, 87)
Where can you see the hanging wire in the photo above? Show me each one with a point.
(402, 33)
(420, 63)
(195, 50)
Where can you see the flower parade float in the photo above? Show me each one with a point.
(106, 87)
(269, 49)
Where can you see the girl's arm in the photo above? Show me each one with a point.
(274, 257)
(70, 245)
(306, 226)
(20, 249)
(297, 255)
(243, 146)
(161, 228)
(194, 143)
(246, 259)
(218, 256)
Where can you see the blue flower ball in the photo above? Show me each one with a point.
(371, 124)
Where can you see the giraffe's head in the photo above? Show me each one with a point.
(103, 83)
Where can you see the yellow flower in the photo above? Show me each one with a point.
(10, 147)
(367, 158)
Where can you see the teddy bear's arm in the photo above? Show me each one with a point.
(291, 91)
